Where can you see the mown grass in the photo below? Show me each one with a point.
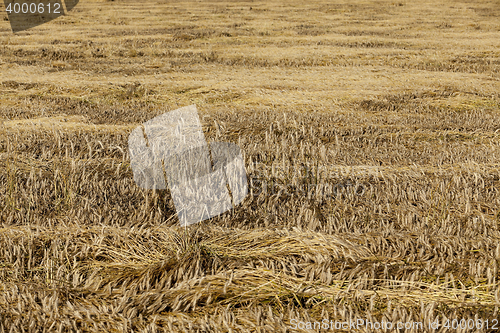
(395, 105)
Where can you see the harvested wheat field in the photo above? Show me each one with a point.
(371, 137)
